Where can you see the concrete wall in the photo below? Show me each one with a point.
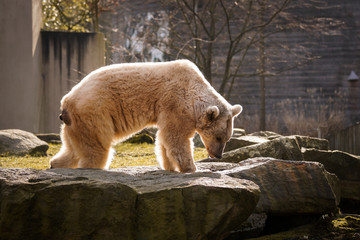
(19, 64)
(66, 59)
(38, 68)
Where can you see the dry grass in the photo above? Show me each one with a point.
(316, 115)
(127, 154)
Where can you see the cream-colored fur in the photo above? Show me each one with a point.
(114, 102)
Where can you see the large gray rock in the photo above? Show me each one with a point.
(238, 132)
(129, 203)
(49, 137)
(346, 166)
(197, 141)
(19, 142)
(243, 141)
(287, 187)
(286, 148)
(312, 142)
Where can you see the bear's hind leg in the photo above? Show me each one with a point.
(66, 157)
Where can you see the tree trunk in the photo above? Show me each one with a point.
(262, 72)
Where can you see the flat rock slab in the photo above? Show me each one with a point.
(243, 141)
(128, 203)
(287, 187)
(286, 148)
(19, 142)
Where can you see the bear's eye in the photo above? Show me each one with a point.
(218, 139)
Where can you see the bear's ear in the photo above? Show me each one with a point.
(212, 112)
(236, 110)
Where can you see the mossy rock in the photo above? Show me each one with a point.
(347, 224)
(141, 138)
(50, 137)
(339, 227)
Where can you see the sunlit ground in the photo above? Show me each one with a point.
(127, 154)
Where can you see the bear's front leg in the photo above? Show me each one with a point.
(163, 159)
(176, 152)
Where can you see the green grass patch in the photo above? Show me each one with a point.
(29, 161)
(127, 154)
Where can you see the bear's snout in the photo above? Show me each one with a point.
(216, 154)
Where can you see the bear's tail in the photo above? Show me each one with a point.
(65, 117)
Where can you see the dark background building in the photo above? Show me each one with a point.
(316, 97)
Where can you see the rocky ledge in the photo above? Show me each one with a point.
(266, 183)
(299, 148)
(129, 203)
(148, 203)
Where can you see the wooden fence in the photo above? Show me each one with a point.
(347, 140)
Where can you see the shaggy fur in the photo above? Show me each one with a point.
(114, 102)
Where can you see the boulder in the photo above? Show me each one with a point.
(286, 148)
(243, 141)
(49, 137)
(266, 134)
(141, 138)
(19, 142)
(238, 132)
(252, 227)
(197, 141)
(338, 227)
(312, 142)
(287, 187)
(346, 166)
(128, 203)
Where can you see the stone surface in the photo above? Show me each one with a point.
(339, 227)
(252, 227)
(311, 142)
(128, 203)
(300, 148)
(141, 138)
(346, 166)
(197, 141)
(243, 141)
(49, 137)
(238, 132)
(19, 142)
(287, 187)
(286, 148)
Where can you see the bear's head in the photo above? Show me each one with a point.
(215, 127)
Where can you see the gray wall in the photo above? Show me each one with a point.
(38, 68)
(19, 64)
(66, 59)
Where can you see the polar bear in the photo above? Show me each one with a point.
(117, 101)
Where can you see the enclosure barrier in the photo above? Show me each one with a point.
(347, 140)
